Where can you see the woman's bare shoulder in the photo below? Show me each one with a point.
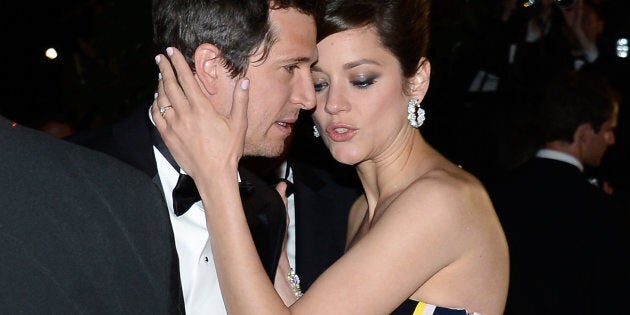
(445, 199)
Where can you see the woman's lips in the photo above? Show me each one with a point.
(340, 133)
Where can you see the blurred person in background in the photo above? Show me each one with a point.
(568, 239)
(82, 233)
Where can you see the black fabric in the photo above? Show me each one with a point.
(408, 307)
(266, 217)
(81, 232)
(131, 140)
(264, 211)
(568, 241)
(186, 194)
(272, 182)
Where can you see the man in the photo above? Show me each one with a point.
(273, 44)
(81, 232)
(567, 238)
(319, 200)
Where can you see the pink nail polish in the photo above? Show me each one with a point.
(245, 84)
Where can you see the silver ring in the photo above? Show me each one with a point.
(163, 109)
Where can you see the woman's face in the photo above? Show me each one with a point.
(361, 106)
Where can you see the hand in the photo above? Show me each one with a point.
(198, 136)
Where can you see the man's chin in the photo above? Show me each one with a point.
(268, 151)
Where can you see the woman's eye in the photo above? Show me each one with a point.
(363, 83)
(319, 86)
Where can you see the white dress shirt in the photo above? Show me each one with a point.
(560, 156)
(288, 175)
(200, 285)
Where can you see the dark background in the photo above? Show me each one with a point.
(106, 64)
(106, 68)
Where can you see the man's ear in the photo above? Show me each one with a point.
(208, 66)
(419, 83)
(582, 132)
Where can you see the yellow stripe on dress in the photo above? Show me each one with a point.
(424, 309)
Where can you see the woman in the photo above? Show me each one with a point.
(425, 232)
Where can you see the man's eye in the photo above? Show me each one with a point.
(290, 68)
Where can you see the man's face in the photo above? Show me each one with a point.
(598, 142)
(282, 84)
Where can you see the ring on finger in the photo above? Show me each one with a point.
(163, 109)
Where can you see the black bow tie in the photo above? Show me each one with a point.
(289, 190)
(186, 194)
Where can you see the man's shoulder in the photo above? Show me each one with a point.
(129, 140)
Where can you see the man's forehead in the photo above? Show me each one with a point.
(282, 20)
(292, 41)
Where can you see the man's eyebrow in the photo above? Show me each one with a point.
(296, 59)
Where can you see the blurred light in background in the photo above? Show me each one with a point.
(622, 48)
(51, 53)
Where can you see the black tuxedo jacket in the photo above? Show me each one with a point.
(567, 239)
(324, 191)
(130, 140)
(81, 232)
(323, 197)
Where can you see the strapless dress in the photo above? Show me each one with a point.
(411, 307)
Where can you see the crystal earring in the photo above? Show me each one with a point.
(315, 132)
(415, 113)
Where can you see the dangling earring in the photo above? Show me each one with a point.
(415, 120)
(315, 132)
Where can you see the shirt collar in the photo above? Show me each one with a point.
(560, 156)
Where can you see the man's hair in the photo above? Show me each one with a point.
(237, 27)
(574, 98)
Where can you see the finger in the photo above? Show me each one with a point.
(240, 100)
(169, 90)
(167, 76)
(186, 81)
(158, 119)
(159, 100)
(160, 124)
(161, 103)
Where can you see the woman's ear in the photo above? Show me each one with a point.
(419, 83)
(208, 66)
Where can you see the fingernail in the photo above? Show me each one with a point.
(159, 75)
(155, 95)
(245, 84)
(169, 51)
(157, 59)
